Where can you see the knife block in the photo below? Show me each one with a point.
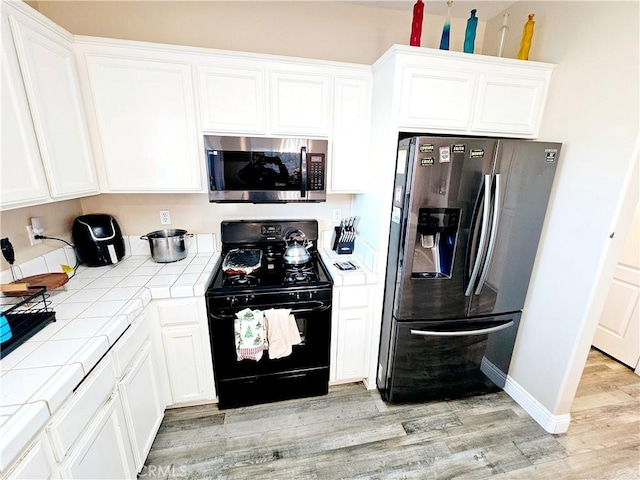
(342, 248)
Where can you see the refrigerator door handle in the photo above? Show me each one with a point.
(461, 333)
(483, 235)
(492, 237)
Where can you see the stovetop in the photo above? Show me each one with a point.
(274, 275)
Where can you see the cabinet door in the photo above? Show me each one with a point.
(142, 404)
(300, 103)
(509, 104)
(190, 375)
(146, 121)
(51, 82)
(436, 99)
(351, 362)
(104, 451)
(38, 463)
(22, 178)
(232, 99)
(351, 120)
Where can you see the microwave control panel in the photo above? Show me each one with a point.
(315, 171)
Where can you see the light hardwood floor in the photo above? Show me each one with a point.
(352, 434)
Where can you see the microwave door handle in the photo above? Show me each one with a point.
(303, 171)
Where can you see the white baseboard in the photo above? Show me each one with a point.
(550, 422)
(494, 374)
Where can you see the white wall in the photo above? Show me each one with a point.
(593, 109)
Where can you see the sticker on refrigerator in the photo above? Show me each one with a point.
(550, 154)
(445, 156)
(427, 147)
(458, 148)
(401, 162)
(476, 153)
(395, 215)
(426, 161)
(397, 196)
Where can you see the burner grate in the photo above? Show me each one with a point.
(240, 280)
(300, 274)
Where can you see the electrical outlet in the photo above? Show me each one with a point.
(165, 217)
(337, 215)
(32, 238)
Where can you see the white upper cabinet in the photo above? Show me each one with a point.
(22, 175)
(232, 99)
(300, 103)
(436, 98)
(143, 118)
(462, 94)
(46, 154)
(350, 136)
(510, 103)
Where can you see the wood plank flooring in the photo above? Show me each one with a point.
(352, 434)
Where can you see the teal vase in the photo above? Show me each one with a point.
(470, 33)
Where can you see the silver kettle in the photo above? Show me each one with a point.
(296, 252)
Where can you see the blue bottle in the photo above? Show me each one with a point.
(470, 33)
(446, 29)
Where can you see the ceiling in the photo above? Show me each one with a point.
(487, 9)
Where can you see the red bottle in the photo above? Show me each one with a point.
(416, 25)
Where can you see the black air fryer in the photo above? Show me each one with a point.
(98, 240)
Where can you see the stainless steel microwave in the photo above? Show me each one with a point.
(266, 170)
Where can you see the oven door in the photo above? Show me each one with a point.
(303, 373)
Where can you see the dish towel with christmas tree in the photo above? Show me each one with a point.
(251, 338)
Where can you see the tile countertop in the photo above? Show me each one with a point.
(92, 311)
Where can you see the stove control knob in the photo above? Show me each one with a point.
(232, 300)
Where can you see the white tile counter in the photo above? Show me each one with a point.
(92, 311)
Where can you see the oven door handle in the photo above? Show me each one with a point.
(306, 307)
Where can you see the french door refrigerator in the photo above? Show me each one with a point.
(465, 224)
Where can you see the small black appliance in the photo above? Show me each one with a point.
(98, 240)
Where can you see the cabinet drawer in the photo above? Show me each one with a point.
(178, 312)
(76, 414)
(353, 297)
(131, 342)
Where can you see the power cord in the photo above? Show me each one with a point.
(75, 254)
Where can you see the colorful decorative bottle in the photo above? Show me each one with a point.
(525, 43)
(470, 32)
(504, 29)
(416, 25)
(444, 40)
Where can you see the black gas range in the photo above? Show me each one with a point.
(263, 278)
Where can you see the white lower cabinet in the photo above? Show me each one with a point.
(139, 387)
(142, 404)
(104, 451)
(351, 333)
(106, 428)
(36, 463)
(182, 330)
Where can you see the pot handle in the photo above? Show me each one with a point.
(188, 234)
(144, 237)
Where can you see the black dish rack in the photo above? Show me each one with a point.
(26, 316)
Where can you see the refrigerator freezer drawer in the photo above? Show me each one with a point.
(446, 360)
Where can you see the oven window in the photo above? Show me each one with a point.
(241, 171)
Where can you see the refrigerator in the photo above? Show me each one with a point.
(465, 225)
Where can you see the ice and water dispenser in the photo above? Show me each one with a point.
(435, 242)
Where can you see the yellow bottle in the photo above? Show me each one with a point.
(525, 43)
